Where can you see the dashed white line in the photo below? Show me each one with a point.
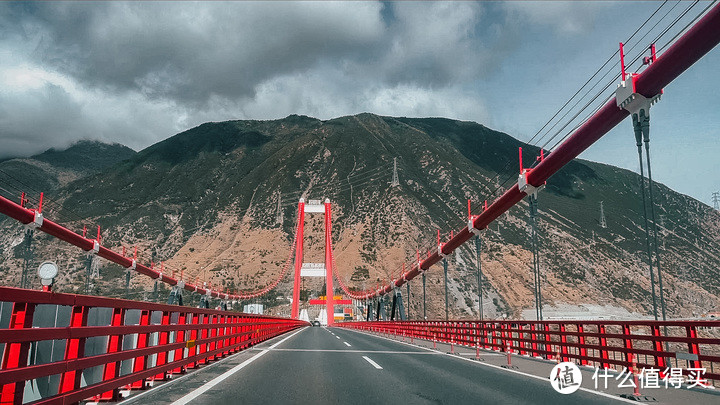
(369, 360)
(347, 344)
(600, 393)
(337, 337)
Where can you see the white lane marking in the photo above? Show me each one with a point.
(337, 337)
(481, 353)
(349, 351)
(347, 344)
(132, 399)
(222, 377)
(369, 360)
(537, 377)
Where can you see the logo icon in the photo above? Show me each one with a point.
(565, 377)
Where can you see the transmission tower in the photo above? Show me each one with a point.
(603, 224)
(279, 212)
(27, 259)
(395, 181)
(716, 200)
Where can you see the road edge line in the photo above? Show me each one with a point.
(222, 377)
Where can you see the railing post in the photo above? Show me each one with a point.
(486, 335)
(548, 339)
(581, 342)
(504, 335)
(202, 348)
(114, 345)
(658, 345)
(228, 332)
(563, 340)
(213, 333)
(693, 347)
(163, 340)
(140, 363)
(627, 342)
(603, 344)
(15, 355)
(495, 345)
(179, 354)
(243, 331)
(193, 349)
(234, 331)
(533, 337)
(74, 349)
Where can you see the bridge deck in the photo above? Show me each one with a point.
(323, 366)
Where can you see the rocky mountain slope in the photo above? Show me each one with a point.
(54, 168)
(206, 202)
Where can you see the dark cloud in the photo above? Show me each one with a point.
(190, 52)
(138, 72)
(45, 117)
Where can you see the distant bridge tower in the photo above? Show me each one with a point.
(395, 181)
(314, 269)
(716, 200)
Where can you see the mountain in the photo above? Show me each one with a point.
(54, 168)
(207, 201)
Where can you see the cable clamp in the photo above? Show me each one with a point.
(627, 97)
(37, 221)
(471, 227)
(95, 249)
(133, 265)
(440, 252)
(526, 187)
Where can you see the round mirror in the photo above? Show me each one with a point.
(47, 270)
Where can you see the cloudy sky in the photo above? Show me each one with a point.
(137, 73)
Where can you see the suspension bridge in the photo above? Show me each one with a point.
(67, 348)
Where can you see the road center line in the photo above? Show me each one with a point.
(369, 360)
(347, 344)
(217, 380)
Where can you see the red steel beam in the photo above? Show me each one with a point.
(26, 216)
(687, 50)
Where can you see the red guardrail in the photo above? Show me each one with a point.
(610, 344)
(163, 340)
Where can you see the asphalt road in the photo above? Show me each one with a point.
(340, 366)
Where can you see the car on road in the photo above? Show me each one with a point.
(315, 323)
